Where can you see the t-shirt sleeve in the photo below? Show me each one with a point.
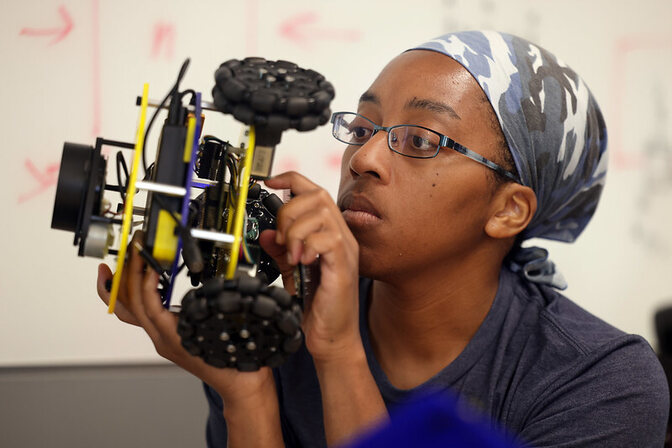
(215, 429)
(615, 397)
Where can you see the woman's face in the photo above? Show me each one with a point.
(408, 214)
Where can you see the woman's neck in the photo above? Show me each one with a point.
(419, 324)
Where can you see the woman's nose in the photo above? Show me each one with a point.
(372, 158)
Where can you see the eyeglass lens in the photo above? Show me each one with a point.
(408, 140)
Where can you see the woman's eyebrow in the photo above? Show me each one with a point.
(415, 103)
(433, 106)
(369, 97)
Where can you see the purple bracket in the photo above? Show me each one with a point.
(186, 200)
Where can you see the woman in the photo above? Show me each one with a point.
(461, 149)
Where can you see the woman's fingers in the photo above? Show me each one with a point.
(292, 181)
(139, 302)
(163, 320)
(134, 302)
(317, 203)
(303, 226)
(320, 243)
(272, 248)
(278, 253)
(302, 189)
(311, 211)
(136, 271)
(105, 274)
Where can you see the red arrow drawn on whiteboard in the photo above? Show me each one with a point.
(59, 32)
(164, 37)
(45, 179)
(300, 29)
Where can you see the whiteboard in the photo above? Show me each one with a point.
(71, 71)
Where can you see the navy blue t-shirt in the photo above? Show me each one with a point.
(540, 365)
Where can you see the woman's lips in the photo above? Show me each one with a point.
(360, 218)
(359, 211)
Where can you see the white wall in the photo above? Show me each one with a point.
(83, 84)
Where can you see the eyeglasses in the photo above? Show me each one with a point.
(408, 140)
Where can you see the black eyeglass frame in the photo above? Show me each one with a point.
(444, 142)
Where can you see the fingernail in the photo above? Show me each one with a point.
(290, 258)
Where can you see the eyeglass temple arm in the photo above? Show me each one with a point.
(452, 144)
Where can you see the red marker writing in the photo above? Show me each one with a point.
(59, 32)
(164, 37)
(45, 179)
(303, 28)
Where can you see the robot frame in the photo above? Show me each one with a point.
(232, 317)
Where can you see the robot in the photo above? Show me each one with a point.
(204, 210)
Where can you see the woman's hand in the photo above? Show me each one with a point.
(139, 304)
(310, 226)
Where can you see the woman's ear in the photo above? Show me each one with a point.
(513, 207)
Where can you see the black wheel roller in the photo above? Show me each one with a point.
(241, 323)
(275, 95)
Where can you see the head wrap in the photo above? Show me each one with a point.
(553, 127)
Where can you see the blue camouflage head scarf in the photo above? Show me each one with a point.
(553, 127)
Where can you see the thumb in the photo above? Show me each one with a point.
(104, 274)
(273, 249)
(278, 253)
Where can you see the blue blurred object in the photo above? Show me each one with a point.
(437, 420)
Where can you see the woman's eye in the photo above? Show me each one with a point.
(360, 133)
(420, 143)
